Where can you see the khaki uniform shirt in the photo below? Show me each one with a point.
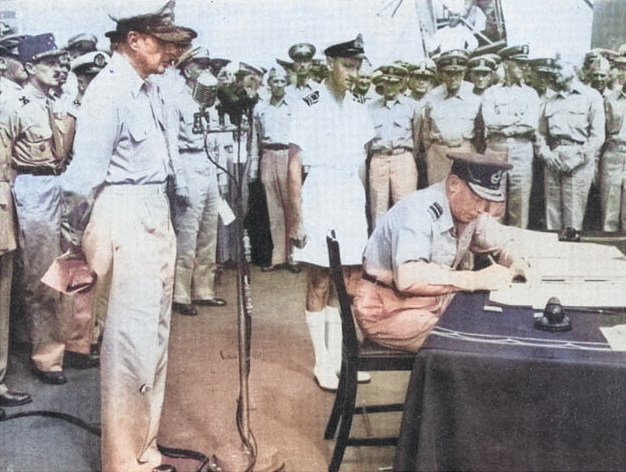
(120, 139)
(393, 121)
(450, 119)
(510, 106)
(8, 239)
(577, 116)
(615, 110)
(29, 130)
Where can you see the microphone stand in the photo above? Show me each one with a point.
(244, 299)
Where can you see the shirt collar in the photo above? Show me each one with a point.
(119, 64)
(32, 91)
(390, 103)
(283, 102)
(576, 88)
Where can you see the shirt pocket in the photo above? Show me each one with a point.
(577, 115)
(37, 134)
(141, 124)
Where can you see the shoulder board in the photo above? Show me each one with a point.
(435, 211)
(312, 98)
(359, 98)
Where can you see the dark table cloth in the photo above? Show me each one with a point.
(490, 392)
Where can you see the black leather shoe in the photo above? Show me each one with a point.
(164, 468)
(294, 268)
(77, 360)
(52, 378)
(186, 309)
(15, 399)
(212, 302)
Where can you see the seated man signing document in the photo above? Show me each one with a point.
(411, 262)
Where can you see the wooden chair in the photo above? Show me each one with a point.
(356, 356)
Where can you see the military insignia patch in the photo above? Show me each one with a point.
(312, 98)
(358, 42)
(496, 178)
(24, 100)
(435, 211)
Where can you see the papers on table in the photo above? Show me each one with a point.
(616, 336)
(578, 274)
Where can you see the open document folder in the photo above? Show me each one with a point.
(578, 274)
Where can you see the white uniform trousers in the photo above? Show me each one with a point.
(130, 239)
(196, 231)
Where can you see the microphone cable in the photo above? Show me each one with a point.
(207, 464)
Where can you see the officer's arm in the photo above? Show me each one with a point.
(255, 146)
(424, 278)
(96, 135)
(426, 127)
(294, 183)
(597, 128)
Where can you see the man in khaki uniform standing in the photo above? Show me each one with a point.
(510, 112)
(38, 154)
(8, 234)
(121, 161)
(450, 117)
(572, 124)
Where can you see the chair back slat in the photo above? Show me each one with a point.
(350, 340)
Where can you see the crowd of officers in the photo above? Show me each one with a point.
(560, 124)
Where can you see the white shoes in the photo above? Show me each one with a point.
(363, 377)
(328, 379)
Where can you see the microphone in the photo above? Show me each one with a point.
(205, 89)
(554, 317)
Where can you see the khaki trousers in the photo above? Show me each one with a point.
(130, 239)
(613, 188)
(438, 165)
(394, 320)
(274, 179)
(390, 179)
(566, 195)
(6, 276)
(519, 152)
(196, 231)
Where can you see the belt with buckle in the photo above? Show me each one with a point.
(275, 147)
(393, 151)
(39, 171)
(554, 143)
(501, 136)
(374, 280)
